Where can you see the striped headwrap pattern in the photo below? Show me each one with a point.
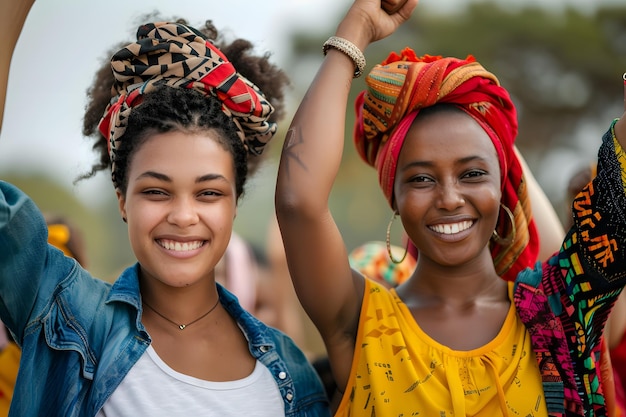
(402, 85)
(177, 55)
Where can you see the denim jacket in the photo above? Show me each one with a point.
(80, 335)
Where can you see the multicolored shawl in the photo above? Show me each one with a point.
(180, 56)
(402, 85)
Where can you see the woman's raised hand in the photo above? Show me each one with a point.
(13, 14)
(370, 20)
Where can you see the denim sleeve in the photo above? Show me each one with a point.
(25, 257)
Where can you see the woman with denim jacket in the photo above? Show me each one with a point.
(164, 339)
(480, 328)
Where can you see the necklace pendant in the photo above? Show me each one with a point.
(182, 326)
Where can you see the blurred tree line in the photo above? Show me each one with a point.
(562, 69)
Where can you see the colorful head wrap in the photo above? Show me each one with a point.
(402, 85)
(180, 56)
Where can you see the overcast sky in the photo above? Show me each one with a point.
(64, 41)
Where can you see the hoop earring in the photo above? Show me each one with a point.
(388, 242)
(506, 241)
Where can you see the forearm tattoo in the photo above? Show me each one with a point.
(290, 149)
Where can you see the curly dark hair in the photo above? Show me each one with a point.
(167, 109)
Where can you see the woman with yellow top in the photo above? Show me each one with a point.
(480, 328)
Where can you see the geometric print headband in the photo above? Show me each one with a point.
(180, 56)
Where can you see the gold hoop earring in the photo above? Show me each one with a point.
(506, 241)
(388, 241)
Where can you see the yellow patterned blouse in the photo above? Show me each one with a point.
(398, 370)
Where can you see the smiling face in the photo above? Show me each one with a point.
(180, 205)
(447, 187)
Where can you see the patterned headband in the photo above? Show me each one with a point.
(177, 55)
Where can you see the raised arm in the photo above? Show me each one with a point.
(13, 15)
(311, 156)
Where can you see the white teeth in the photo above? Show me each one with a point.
(180, 247)
(450, 229)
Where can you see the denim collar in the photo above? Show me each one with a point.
(126, 289)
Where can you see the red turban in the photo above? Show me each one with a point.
(402, 85)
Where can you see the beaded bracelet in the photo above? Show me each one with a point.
(348, 48)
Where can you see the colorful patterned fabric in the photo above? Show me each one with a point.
(613, 361)
(402, 85)
(372, 260)
(398, 370)
(179, 56)
(565, 304)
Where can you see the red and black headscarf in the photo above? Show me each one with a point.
(402, 85)
(180, 56)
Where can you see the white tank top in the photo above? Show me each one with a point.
(152, 388)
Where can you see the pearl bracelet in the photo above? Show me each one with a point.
(348, 48)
